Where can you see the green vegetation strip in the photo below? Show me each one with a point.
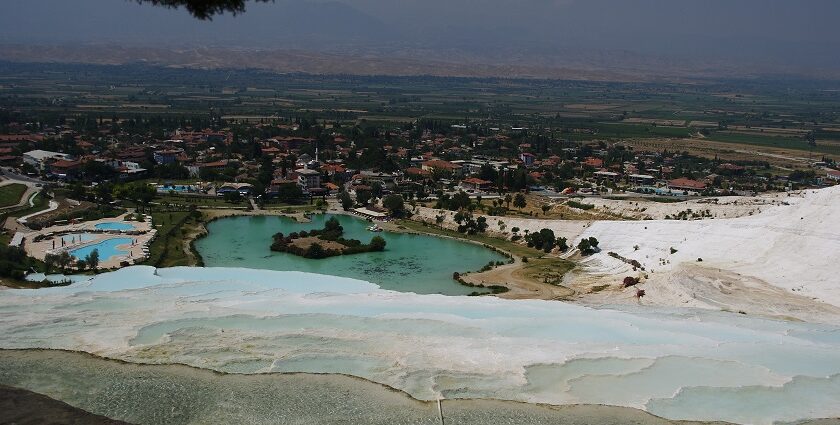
(167, 250)
(489, 241)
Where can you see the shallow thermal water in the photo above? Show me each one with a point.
(673, 363)
(410, 263)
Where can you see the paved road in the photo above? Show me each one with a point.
(9, 173)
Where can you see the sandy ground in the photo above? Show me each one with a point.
(722, 207)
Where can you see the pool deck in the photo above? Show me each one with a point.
(50, 241)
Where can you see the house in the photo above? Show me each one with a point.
(441, 165)
(683, 183)
(527, 158)
(167, 156)
(606, 175)
(473, 183)
(832, 174)
(65, 168)
(641, 179)
(594, 162)
(308, 179)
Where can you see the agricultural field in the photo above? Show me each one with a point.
(752, 114)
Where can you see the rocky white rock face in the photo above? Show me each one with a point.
(671, 362)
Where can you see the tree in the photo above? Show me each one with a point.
(508, 199)
(203, 9)
(232, 196)
(321, 205)
(50, 261)
(346, 200)
(377, 243)
(92, 259)
(588, 245)
(545, 208)
(395, 205)
(363, 197)
(315, 251)
(519, 201)
(64, 260)
(333, 225)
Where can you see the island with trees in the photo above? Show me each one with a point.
(324, 243)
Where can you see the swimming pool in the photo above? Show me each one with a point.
(176, 188)
(115, 225)
(107, 249)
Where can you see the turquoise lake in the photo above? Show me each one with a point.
(410, 263)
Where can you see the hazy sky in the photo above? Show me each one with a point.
(765, 30)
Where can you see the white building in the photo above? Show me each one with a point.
(308, 179)
(39, 158)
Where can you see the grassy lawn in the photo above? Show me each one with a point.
(11, 194)
(40, 203)
(198, 201)
(167, 248)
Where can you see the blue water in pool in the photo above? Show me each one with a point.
(176, 188)
(107, 249)
(115, 226)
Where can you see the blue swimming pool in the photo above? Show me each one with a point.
(115, 226)
(176, 188)
(107, 249)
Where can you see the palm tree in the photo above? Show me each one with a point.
(519, 201)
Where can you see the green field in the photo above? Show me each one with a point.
(10, 194)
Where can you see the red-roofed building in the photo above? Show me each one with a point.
(686, 184)
(437, 164)
(594, 162)
(473, 183)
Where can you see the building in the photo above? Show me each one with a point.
(527, 159)
(683, 183)
(308, 179)
(641, 179)
(606, 175)
(65, 169)
(168, 156)
(473, 183)
(832, 174)
(441, 165)
(244, 189)
(39, 158)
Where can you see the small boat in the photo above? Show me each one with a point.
(374, 228)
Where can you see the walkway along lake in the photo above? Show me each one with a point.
(411, 263)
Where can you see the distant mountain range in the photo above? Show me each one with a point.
(570, 39)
